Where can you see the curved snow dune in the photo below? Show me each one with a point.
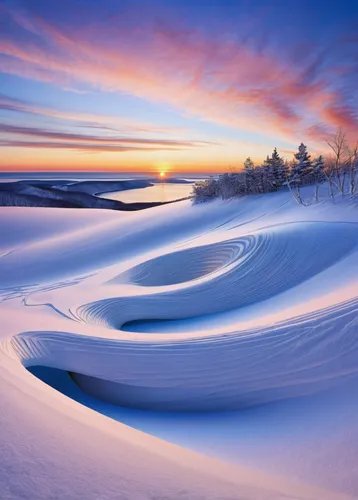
(234, 369)
(109, 240)
(298, 357)
(64, 450)
(234, 274)
(187, 265)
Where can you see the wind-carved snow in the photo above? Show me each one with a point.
(186, 265)
(221, 307)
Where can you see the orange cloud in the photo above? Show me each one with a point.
(218, 80)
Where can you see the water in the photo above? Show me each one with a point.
(80, 176)
(157, 193)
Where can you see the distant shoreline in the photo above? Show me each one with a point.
(65, 193)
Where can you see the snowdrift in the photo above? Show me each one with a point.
(224, 306)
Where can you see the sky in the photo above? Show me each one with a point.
(173, 85)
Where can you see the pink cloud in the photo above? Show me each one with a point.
(318, 132)
(216, 80)
(342, 117)
(85, 147)
(60, 135)
(90, 120)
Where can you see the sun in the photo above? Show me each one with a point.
(162, 174)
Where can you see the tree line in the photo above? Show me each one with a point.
(339, 170)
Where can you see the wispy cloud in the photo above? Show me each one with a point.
(84, 147)
(341, 116)
(221, 78)
(218, 80)
(87, 120)
(85, 142)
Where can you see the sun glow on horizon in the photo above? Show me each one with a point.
(109, 111)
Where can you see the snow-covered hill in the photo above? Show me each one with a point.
(232, 324)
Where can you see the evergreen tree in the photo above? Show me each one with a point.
(284, 172)
(249, 164)
(273, 173)
(302, 167)
(270, 179)
(318, 169)
(260, 182)
(277, 165)
(249, 175)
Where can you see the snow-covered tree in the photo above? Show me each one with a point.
(339, 145)
(249, 175)
(284, 172)
(278, 169)
(301, 169)
(353, 169)
(318, 172)
(294, 181)
(226, 186)
(260, 179)
(248, 164)
(269, 174)
(303, 166)
(205, 190)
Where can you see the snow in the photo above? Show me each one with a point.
(215, 345)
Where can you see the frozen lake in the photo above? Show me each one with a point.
(160, 192)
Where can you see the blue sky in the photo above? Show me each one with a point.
(192, 85)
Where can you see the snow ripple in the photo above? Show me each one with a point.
(257, 267)
(300, 356)
(188, 265)
(208, 372)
